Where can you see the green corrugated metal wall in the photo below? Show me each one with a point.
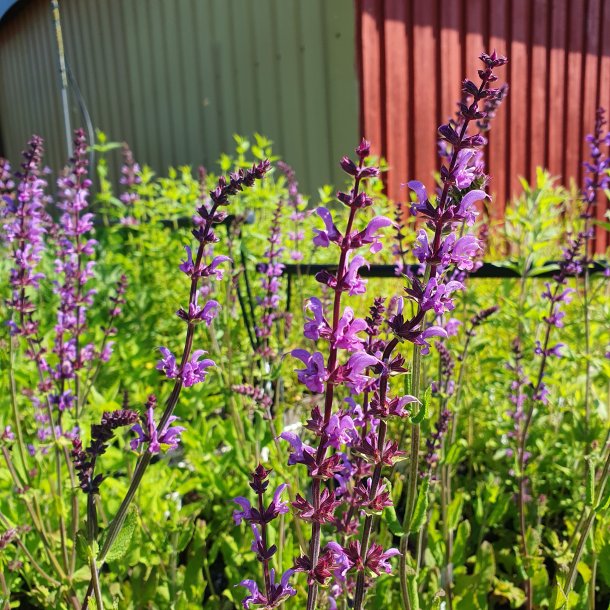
(176, 78)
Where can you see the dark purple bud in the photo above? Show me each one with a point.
(364, 149)
(447, 132)
(348, 166)
(470, 88)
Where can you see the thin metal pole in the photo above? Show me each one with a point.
(63, 76)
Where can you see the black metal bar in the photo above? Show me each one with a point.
(487, 270)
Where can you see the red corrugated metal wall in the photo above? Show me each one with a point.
(413, 55)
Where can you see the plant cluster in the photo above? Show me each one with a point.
(441, 442)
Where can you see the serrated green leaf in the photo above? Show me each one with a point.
(121, 544)
(82, 547)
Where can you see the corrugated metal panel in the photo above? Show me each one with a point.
(178, 79)
(414, 54)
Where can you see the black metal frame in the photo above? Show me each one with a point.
(487, 270)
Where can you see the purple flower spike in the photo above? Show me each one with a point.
(278, 593)
(187, 266)
(352, 373)
(464, 251)
(258, 518)
(420, 192)
(432, 331)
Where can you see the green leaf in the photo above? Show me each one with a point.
(604, 503)
(510, 592)
(394, 525)
(455, 511)
(422, 414)
(456, 452)
(413, 593)
(407, 383)
(421, 507)
(459, 546)
(121, 544)
(604, 564)
(82, 547)
(389, 514)
(558, 598)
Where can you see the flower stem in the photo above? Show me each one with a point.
(314, 545)
(411, 485)
(368, 521)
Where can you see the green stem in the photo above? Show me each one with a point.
(411, 484)
(588, 524)
(15, 407)
(97, 590)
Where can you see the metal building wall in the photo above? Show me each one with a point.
(177, 78)
(414, 54)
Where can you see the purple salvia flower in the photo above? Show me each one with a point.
(348, 327)
(301, 453)
(149, 434)
(324, 238)
(259, 517)
(271, 272)
(167, 364)
(23, 232)
(314, 374)
(195, 370)
(317, 326)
